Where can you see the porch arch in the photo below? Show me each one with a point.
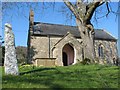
(67, 55)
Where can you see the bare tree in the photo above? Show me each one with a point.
(83, 12)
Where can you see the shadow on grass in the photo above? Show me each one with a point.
(57, 78)
(36, 70)
(42, 81)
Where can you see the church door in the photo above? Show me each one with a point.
(65, 63)
(68, 55)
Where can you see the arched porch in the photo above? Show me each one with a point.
(68, 55)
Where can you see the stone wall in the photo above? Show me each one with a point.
(53, 41)
(46, 47)
(44, 62)
(41, 47)
(109, 50)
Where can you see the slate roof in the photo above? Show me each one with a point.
(61, 30)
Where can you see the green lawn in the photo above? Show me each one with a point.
(76, 76)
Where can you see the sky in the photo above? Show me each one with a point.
(19, 19)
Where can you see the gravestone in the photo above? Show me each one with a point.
(10, 62)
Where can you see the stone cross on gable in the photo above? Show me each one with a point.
(10, 62)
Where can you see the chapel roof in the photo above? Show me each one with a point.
(40, 28)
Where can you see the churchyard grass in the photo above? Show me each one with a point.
(76, 76)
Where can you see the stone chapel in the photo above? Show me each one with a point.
(61, 45)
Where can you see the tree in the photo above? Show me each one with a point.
(1, 40)
(1, 51)
(83, 12)
(21, 52)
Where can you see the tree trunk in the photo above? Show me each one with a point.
(87, 36)
(88, 47)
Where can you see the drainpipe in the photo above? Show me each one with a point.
(49, 45)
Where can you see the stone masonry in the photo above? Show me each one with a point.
(10, 62)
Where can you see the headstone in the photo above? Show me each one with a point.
(10, 62)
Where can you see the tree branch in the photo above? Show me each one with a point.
(81, 8)
(73, 9)
(91, 9)
(107, 9)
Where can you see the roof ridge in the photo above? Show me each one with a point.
(54, 24)
(98, 29)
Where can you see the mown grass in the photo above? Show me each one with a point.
(76, 76)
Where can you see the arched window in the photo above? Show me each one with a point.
(100, 51)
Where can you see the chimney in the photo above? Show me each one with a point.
(31, 18)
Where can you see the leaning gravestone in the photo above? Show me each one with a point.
(10, 62)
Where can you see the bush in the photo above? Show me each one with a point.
(86, 61)
(21, 52)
